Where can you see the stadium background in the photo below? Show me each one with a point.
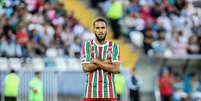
(46, 35)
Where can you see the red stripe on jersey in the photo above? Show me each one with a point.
(83, 49)
(90, 85)
(109, 73)
(92, 49)
(100, 87)
(91, 73)
(110, 51)
(100, 50)
(111, 93)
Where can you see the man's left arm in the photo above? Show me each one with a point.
(114, 65)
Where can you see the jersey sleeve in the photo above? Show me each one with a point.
(85, 53)
(115, 53)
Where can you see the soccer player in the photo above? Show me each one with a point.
(100, 61)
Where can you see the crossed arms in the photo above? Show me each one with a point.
(113, 67)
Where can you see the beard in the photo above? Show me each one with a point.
(100, 38)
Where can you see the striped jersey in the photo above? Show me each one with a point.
(100, 83)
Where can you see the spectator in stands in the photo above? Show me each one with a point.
(134, 83)
(145, 12)
(36, 88)
(48, 34)
(134, 22)
(199, 43)
(22, 36)
(67, 38)
(133, 8)
(179, 94)
(193, 47)
(6, 26)
(8, 48)
(52, 51)
(194, 87)
(171, 37)
(166, 84)
(155, 11)
(55, 47)
(179, 4)
(196, 24)
(164, 22)
(75, 47)
(72, 21)
(178, 47)
(94, 3)
(148, 39)
(60, 10)
(114, 14)
(36, 44)
(11, 86)
(160, 46)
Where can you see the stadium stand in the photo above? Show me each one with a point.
(168, 27)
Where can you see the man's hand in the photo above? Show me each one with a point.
(88, 67)
(35, 90)
(95, 61)
(106, 65)
(108, 61)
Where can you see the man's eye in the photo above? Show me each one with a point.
(103, 27)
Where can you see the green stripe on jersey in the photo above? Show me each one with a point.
(95, 90)
(95, 82)
(115, 52)
(114, 87)
(96, 51)
(105, 52)
(86, 86)
(88, 51)
(105, 84)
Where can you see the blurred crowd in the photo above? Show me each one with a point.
(160, 27)
(43, 27)
(31, 28)
(177, 87)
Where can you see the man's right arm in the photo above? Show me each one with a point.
(88, 67)
(86, 58)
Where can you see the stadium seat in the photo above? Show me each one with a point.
(51, 52)
(27, 63)
(49, 63)
(60, 63)
(136, 38)
(15, 63)
(73, 64)
(38, 63)
(4, 63)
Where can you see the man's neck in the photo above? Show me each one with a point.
(100, 43)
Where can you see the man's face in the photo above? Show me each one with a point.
(38, 76)
(100, 30)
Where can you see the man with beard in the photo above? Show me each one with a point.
(100, 61)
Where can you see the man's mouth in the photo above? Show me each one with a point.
(100, 34)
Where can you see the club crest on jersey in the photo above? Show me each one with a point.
(109, 53)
